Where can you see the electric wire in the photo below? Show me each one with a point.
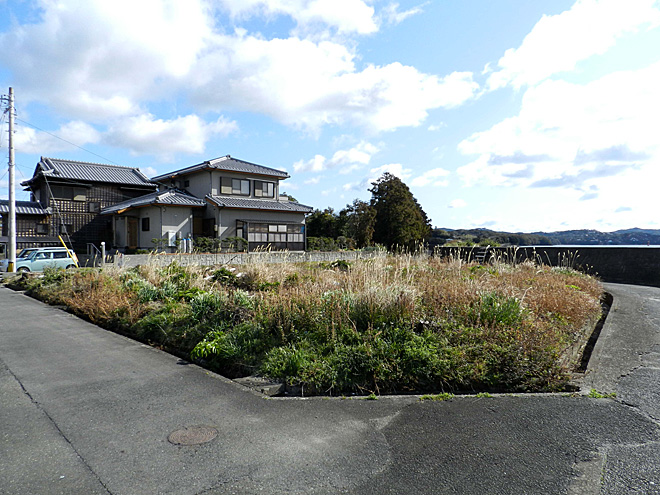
(68, 142)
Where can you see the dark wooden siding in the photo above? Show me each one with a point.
(83, 222)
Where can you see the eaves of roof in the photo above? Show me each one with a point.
(258, 204)
(228, 164)
(159, 198)
(71, 170)
(25, 208)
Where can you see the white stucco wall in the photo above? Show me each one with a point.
(164, 221)
(201, 184)
(177, 222)
(208, 182)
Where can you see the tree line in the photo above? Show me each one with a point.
(392, 218)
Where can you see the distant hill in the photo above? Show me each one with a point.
(634, 236)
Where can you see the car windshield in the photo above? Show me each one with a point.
(25, 253)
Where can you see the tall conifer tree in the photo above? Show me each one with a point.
(400, 221)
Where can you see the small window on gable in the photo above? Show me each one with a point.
(186, 183)
(94, 206)
(145, 224)
(42, 228)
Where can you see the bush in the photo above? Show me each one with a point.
(206, 245)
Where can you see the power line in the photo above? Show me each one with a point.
(68, 142)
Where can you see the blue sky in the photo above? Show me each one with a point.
(512, 115)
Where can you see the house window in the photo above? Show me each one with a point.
(145, 224)
(240, 186)
(62, 192)
(186, 183)
(79, 194)
(264, 189)
(70, 193)
(94, 206)
(42, 228)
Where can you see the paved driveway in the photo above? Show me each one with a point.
(83, 410)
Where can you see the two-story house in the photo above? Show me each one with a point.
(242, 200)
(73, 193)
(92, 203)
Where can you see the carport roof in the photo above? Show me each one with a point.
(163, 198)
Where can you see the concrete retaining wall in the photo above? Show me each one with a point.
(637, 265)
(130, 260)
(626, 265)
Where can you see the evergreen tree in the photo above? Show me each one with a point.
(400, 221)
(360, 222)
(322, 223)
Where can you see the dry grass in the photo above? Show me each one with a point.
(391, 323)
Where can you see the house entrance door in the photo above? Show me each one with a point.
(132, 233)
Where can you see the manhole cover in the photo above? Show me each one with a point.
(192, 435)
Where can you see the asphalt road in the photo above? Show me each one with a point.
(86, 411)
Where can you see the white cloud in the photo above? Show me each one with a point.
(566, 136)
(98, 64)
(346, 160)
(458, 203)
(69, 136)
(393, 15)
(395, 169)
(595, 142)
(313, 181)
(149, 171)
(146, 134)
(434, 177)
(346, 16)
(558, 43)
(91, 60)
(436, 127)
(308, 85)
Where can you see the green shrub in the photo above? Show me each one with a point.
(495, 309)
(225, 276)
(206, 245)
(207, 306)
(237, 351)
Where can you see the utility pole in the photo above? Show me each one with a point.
(11, 231)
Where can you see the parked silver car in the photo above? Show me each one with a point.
(36, 259)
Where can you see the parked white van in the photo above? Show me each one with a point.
(40, 258)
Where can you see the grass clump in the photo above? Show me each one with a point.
(595, 394)
(392, 324)
(437, 397)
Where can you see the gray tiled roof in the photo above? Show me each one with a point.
(226, 163)
(259, 204)
(166, 198)
(89, 172)
(24, 208)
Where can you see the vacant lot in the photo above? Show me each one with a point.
(394, 324)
